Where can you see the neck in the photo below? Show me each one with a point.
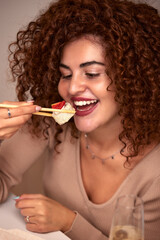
(105, 137)
(102, 144)
(94, 155)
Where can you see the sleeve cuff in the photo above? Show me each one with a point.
(81, 229)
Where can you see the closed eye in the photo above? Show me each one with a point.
(92, 75)
(66, 76)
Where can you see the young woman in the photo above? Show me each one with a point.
(102, 57)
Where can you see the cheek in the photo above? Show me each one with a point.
(62, 89)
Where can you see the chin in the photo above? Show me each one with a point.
(85, 126)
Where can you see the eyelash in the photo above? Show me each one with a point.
(67, 76)
(89, 75)
(92, 75)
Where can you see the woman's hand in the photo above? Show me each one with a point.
(13, 118)
(44, 214)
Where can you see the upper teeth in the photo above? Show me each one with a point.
(83, 103)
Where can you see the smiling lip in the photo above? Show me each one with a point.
(84, 110)
(81, 99)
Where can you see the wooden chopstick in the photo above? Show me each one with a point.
(43, 114)
(36, 113)
(57, 110)
(41, 110)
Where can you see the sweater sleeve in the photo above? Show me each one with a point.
(17, 154)
(151, 200)
(82, 230)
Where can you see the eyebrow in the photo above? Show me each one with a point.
(90, 63)
(83, 64)
(64, 66)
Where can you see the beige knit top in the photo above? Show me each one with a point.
(63, 182)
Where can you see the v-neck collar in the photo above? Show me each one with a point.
(108, 202)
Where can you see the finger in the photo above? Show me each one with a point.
(18, 104)
(32, 196)
(37, 219)
(20, 111)
(30, 201)
(6, 133)
(27, 212)
(8, 126)
(39, 224)
(15, 121)
(35, 227)
(4, 113)
(36, 224)
(36, 203)
(26, 203)
(29, 219)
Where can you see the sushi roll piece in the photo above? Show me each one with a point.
(63, 117)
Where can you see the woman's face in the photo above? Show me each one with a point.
(84, 84)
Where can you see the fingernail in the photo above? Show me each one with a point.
(30, 101)
(38, 108)
(17, 197)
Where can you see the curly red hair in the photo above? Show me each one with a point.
(131, 36)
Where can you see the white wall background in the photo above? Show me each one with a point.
(13, 15)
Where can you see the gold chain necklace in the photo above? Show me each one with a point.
(93, 155)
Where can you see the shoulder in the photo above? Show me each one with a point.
(147, 173)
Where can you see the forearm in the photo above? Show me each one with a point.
(17, 154)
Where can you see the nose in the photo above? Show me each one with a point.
(77, 85)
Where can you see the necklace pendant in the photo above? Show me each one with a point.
(93, 155)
